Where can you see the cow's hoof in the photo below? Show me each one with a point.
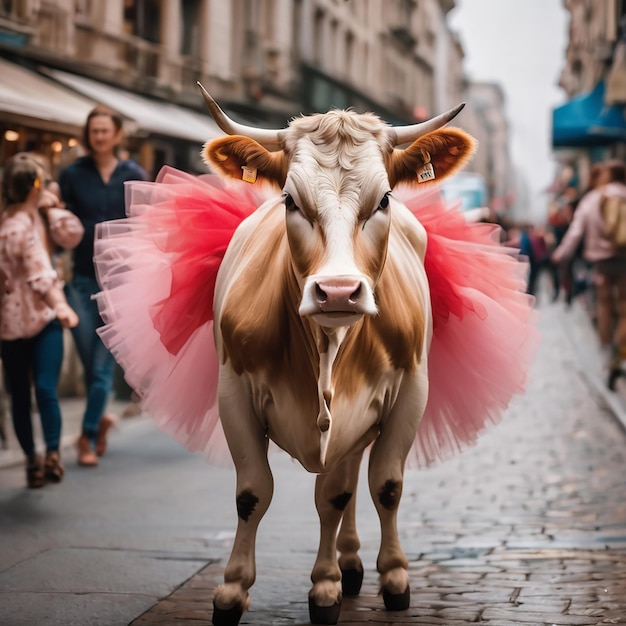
(397, 601)
(351, 581)
(324, 614)
(227, 617)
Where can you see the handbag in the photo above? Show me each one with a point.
(613, 209)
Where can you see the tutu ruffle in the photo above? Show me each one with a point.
(484, 327)
(158, 267)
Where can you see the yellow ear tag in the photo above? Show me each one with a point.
(427, 172)
(249, 174)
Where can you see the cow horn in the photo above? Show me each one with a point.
(408, 134)
(270, 139)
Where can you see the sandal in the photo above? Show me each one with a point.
(53, 470)
(106, 422)
(34, 473)
(86, 456)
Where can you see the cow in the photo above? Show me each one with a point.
(322, 324)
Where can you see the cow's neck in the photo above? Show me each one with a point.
(329, 341)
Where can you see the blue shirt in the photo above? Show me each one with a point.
(94, 201)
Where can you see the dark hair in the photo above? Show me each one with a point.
(595, 174)
(101, 110)
(20, 173)
(616, 170)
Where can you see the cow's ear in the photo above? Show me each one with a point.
(243, 158)
(431, 158)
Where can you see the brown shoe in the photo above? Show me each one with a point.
(86, 456)
(106, 422)
(34, 473)
(53, 470)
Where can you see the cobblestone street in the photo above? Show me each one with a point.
(527, 527)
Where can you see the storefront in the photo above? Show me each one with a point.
(587, 130)
(44, 110)
(39, 115)
(163, 133)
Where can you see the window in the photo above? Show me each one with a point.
(350, 70)
(333, 48)
(142, 18)
(82, 9)
(296, 28)
(190, 25)
(318, 37)
(268, 24)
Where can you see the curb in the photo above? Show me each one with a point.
(584, 342)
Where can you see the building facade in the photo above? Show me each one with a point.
(591, 126)
(265, 61)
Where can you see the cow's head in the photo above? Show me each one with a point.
(337, 171)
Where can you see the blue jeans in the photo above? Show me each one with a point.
(40, 356)
(98, 363)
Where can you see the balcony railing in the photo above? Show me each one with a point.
(142, 58)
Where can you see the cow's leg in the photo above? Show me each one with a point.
(348, 542)
(386, 473)
(333, 493)
(248, 446)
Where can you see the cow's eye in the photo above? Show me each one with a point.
(290, 204)
(384, 203)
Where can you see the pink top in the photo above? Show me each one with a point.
(588, 222)
(26, 263)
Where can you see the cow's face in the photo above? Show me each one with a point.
(337, 212)
(337, 172)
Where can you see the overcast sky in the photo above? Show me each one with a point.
(521, 45)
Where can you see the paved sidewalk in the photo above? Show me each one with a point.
(72, 414)
(584, 341)
(526, 529)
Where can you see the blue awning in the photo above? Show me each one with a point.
(587, 121)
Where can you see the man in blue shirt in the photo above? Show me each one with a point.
(93, 188)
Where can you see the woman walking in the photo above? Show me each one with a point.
(34, 310)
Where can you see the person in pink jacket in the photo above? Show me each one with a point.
(609, 264)
(33, 308)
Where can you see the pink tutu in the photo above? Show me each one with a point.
(158, 267)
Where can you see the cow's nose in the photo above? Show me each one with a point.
(338, 294)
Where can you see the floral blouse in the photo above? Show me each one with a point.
(25, 262)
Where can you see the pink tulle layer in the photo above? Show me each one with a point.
(157, 269)
(484, 328)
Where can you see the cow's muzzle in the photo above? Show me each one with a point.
(337, 300)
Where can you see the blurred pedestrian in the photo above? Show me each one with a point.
(608, 263)
(531, 241)
(559, 219)
(93, 188)
(33, 311)
(576, 270)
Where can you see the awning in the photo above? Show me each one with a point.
(29, 98)
(152, 117)
(587, 121)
